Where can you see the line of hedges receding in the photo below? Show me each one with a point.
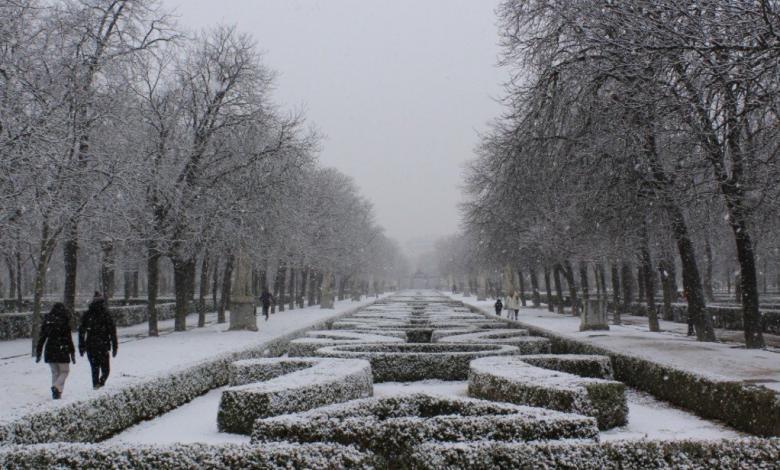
(111, 412)
(746, 407)
(185, 456)
(623, 455)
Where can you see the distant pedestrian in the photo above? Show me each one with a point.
(97, 336)
(499, 306)
(266, 299)
(56, 344)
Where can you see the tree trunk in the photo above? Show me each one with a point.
(535, 296)
(548, 288)
(282, 279)
(42, 265)
(215, 283)
(304, 287)
(584, 282)
(107, 270)
(648, 280)
(558, 286)
(615, 278)
(183, 270)
(134, 282)
(569, 274)
(153, 284)
(709, 295)
(224, 300)
(292, 274)
(666, 288)
(627, 283)
(204, 289)
(640, 281)
(70, 255)
(521, 283)
(312, 294)
(751, 316)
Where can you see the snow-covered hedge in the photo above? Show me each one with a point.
(392, 426)
(314, 340)
(19, 325)
(289, 385)
(185, 456)
(584, 365)
(526, 344)
(619, 455)
(747, 407)
(115, 410)
(512, 380)
(419, 335)
(409, 362)
(438, 334)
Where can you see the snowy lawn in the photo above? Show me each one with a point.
(25, 385)
(648, 418)
(719, 361)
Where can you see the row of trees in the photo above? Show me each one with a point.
(638, 133)
(126, 140)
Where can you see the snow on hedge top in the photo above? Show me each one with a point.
(514, 369)
(273, 374)
(404, 349)
(344, 335)
(488, 336)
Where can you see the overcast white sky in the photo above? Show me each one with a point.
(399, 89)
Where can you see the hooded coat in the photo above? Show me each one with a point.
(97, 331)
(55, 340)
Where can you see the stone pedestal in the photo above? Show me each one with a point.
(594, 316)
(326, 291)
(242, 302)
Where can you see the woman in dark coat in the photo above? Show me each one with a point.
(56, 343)
(97, 336)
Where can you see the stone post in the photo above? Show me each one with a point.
(242, 302)
(326, 297)
(481, 285)
(594, 316)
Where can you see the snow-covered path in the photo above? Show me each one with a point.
(720, 361)
(25, 385)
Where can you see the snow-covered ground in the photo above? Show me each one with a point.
(719, 361)
(648, 418)
(25, 385)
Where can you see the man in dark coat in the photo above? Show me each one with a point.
(266, 299)
(59, 351)
(498, 306)
(97, 336)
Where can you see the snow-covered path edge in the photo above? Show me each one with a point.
(749, 408)
(98, 418)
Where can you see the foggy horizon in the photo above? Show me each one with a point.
(399, 93)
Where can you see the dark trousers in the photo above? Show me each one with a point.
(265, 310)
(100, 363)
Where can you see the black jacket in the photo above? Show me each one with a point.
(97, 331)
(55, 334)
(266, 298)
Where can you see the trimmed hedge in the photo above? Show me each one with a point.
(19, 325)
(409, 362)
(289, 385)
(518, 338)
(303, 347)
(618, 455)
(111, 412)
(511, 380)
(746, 407)
(584, 365)
(392, 426)
(185, 456)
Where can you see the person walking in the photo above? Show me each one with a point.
(97, 336)
(498, 306)
(56, 344)
(266, 299)
(516, 303)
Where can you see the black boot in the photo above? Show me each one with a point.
(55, 394)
